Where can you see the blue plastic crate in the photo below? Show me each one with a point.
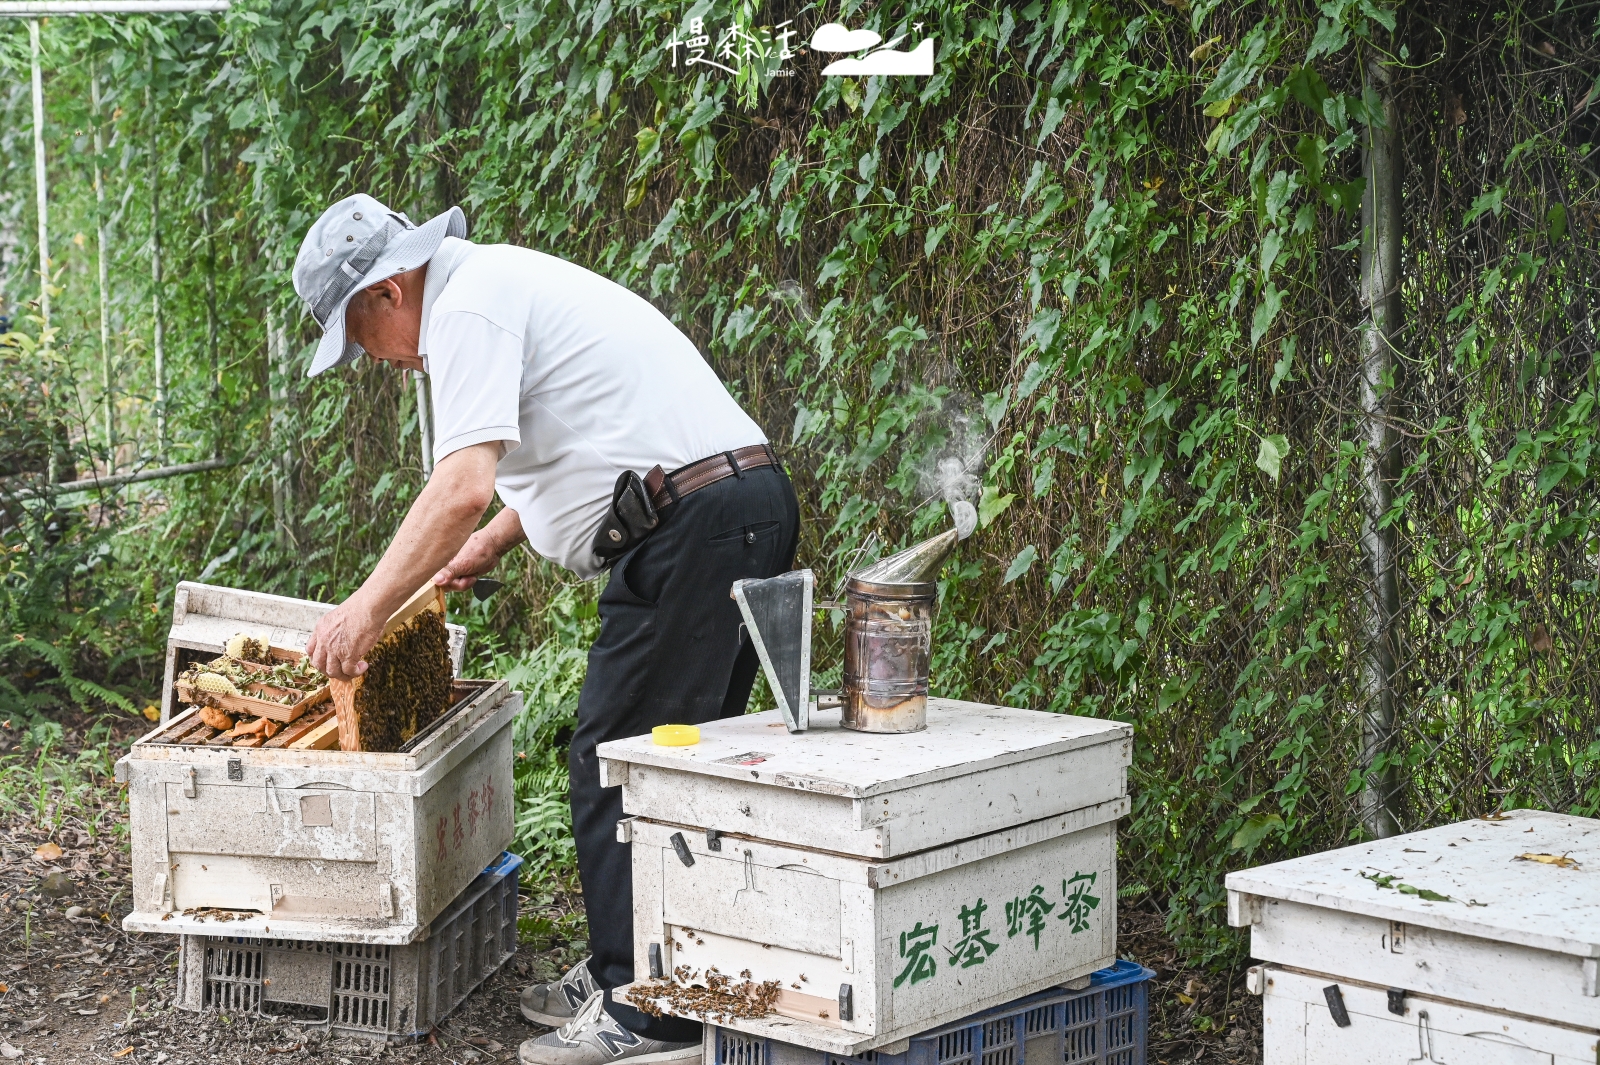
(1107, 1023)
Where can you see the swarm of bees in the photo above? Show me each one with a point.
(711, 996)
(245, 648)
(407, 683)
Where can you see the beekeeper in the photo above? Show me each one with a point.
(613, 446)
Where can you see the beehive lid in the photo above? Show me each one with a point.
(1493, 891)
(961, 738)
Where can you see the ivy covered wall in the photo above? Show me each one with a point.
(1108, 256)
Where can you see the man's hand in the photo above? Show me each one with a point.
(436, 528)
(476, 557)
(343, 637)
(481, 552)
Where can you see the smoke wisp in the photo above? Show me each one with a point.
(954, 469)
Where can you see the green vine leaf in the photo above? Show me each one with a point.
(1021, 564)
(1256, 829)
(991, 504)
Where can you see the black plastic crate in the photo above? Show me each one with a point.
(362, 988)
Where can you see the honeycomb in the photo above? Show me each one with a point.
(406, 686)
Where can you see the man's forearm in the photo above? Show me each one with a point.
(439, 522)
(504, 531)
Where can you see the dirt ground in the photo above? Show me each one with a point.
(75, 988)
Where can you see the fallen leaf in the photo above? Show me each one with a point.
(1548, 48)
(152, 712)
(3, 988)
(87, 1013)
(1560, 860)
(9, 1052)
(47, 852)
(124, 1052)
(1185, 999)
(65, 996)
(1540, 640)
(1494, 817)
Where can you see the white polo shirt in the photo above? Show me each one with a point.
(578, 378)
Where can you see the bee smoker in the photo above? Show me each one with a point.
(888, 635)
(888, 638)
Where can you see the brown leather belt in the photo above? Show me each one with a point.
(666, 488)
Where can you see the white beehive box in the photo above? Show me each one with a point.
(351, 846)
(889, 882)
(205, 616)
(1504, 972)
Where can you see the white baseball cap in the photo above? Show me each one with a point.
(358, 242)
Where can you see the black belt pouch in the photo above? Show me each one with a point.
(632, 517)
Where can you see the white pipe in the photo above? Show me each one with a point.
(39, 8)
(117, 480)
(40, 185)
(424, 424)
(108, 393)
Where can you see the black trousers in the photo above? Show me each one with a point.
(670, 651)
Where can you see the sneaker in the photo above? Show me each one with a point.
(593, 1037)
(557, 1003)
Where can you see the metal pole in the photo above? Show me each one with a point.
(1380, 295)
(424, 424)
(108, 393)
(159, 338)
(40, 184)
(277, 376)
(211, 270)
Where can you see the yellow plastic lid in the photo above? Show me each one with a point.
(675, 735)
